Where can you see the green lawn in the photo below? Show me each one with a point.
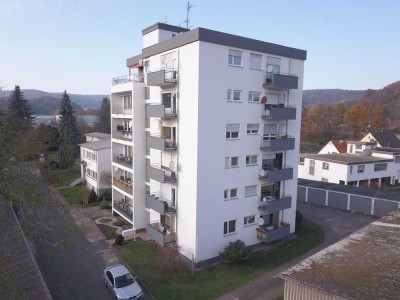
(59, 178)
(108, 231)
(75, 194)
(217, 280)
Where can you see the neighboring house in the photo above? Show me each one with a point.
(96, 161)
(363, 165)
(363, 265)
(334, 146)
(205, 139)
(383, 139)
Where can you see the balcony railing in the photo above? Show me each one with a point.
(123, 184)
(160, 234)
(274, 142)
(281, 81)
(123, 208)
(162, 77)
(270, 234)
(127, 78)
(123, 160)
(273, 174)
(279, 112)
(121, 110)
(161, 143)
(161, 174)
(161, 111)
(159, 204)
(270, 204)
(125, 135)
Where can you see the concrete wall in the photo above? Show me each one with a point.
(347, 201)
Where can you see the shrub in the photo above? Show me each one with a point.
(92, 197)
(106, 195)
(105, 204)
(235, 253)
(119, 240)
(299, 220)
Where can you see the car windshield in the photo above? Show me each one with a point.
(124, 280)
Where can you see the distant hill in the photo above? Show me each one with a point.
(84, 101)
(47, 105)
(312, 97)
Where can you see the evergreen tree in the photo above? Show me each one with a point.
(19, 109)
(105, 116)
(69, 136)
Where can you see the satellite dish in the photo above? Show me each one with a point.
(264, 199)
(171, 165)
(270, 68)
(260, 221)
(262, 173)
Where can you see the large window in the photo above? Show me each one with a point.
(252, 128)
(311, 170)
(273, 65)
(249, 220)
(230, 194)
(255, 61)
(232, 131)
(250, 190)
(235, 58)
(229, 227)
(251, 160)
(231, 162)
(254, 97)
(380, 167)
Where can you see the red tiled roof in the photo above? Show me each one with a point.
(341, 145)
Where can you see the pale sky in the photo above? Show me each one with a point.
(79, 45)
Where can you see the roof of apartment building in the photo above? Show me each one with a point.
(97, 145)
(386, 139)
(387, 150)
(363, 265)
(215, 37)
(99, 135)
(347, 158)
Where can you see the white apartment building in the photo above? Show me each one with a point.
(205, 139)
(95, 157)
(362, 165)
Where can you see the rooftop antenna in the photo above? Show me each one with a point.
(165, 20)
(188, 7)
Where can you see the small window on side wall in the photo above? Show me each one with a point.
(235, 58)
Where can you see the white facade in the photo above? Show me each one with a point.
(197, 183)
(95, 161)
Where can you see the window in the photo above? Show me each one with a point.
(301, 160)
(311, 170)
(229, 227)
(324, 179)
(351, 169)
(380, 167)
(147, 93)
(127, 101)
(237, 95)
(397, 159)
(251, 160)
(360, 169)
(255, 61)
(231, 162)
(254, 97)
(232, 131)
(250, 220)
(325, 166)
(252, 128)
(250, 190)
(228, 95)
(235, 58)
(275, 64)
(230, 194)
(91, 174)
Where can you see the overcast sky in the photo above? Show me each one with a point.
(79, 45)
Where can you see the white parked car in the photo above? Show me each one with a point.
(121, 283)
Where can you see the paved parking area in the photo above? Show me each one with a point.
(335, 223)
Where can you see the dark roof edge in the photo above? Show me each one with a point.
(221, 38)
(163, 26)
(133, 60)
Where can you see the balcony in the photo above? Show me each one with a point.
(121, 110)
(276, 174)
(160, 111)
(123, 208)
(160, 143)
(160, 234)
(127, 78)
(281, 81)
(270, 234)
(270, 204)
(279, 112)
(158, 204)
(121, 134)
(123, 184)
(272, 142)
(162, 77)
(123, 160)
(161, 174)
